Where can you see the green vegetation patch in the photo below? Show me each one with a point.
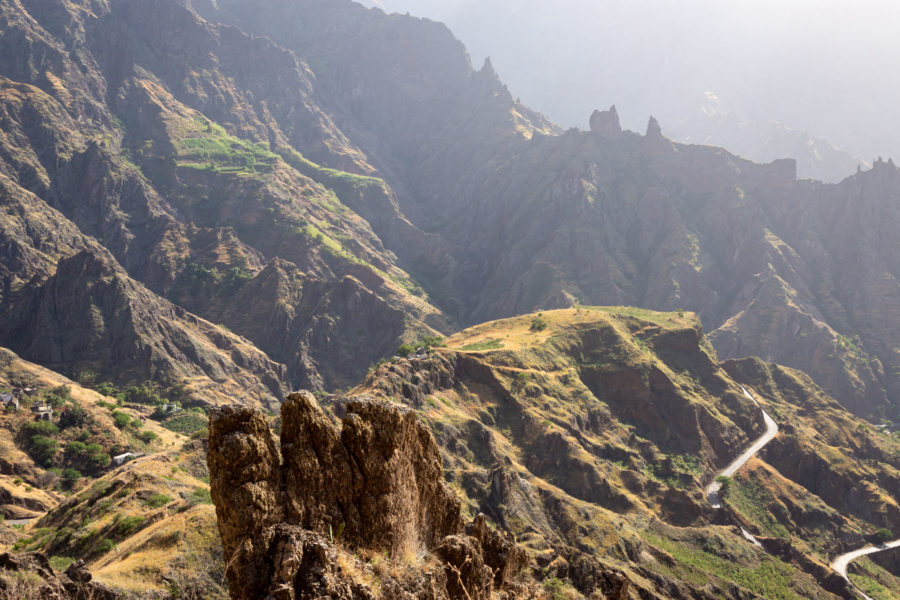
(187, 423)
(770, 578)
(490, 344)
(876, 582)
(751, 498)
(211, 148)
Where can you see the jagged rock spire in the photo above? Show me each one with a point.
(606, 122)
(653, 128)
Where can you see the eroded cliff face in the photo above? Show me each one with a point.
(289, 516)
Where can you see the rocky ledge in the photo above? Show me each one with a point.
(290, 518)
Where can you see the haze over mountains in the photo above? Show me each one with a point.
(218, 201)
(807, 76)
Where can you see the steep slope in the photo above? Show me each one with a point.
(130, 145)
(518, 221)
(141, 527)
(299, 172)
(590, 433)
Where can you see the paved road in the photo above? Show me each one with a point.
(843, 561)
(712, 490)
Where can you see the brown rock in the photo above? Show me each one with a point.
(376, 484)
(468, 577)
(245, 484)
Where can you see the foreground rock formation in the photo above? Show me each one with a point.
(30, 577)
(375, 486)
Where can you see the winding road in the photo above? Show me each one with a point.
(843, 561)
(840, 563)
(713, 489)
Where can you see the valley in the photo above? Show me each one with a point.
(616, 366)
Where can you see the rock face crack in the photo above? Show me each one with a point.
(376, 484)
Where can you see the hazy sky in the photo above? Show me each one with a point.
(827, 67)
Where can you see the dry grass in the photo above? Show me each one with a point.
(517, 333)
(21, 585)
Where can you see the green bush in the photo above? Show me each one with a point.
(538, 324)
(104, 546)
(71, 474)
(75, 449)
(40, 428)
(884, 535)
(187, 423)
(60, 563)
(405, 350)
(74, 416)
(147, 436)
(120, 419)
(57, 396)
(107, 389)
(43, 449)
(128, 524)
(143, 394)
(157, 500)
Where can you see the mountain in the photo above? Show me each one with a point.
(211, 203)
(567, 57)
(764, 141)
(519, 217)
(590, 433)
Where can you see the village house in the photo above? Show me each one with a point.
(121, 459)
(9, 401)
(42, 412)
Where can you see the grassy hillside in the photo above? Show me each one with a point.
(590, 433)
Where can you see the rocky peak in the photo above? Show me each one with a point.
(606, 122)
(376, 484)
(654, 131)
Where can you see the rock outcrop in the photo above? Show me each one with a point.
(30, 577)
(376, 485)
(606, 123)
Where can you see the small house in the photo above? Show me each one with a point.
(42, 412)
(121, 459)
(9, 402)
(170, 408)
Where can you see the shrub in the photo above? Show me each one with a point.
(120, 419)
(538, 324)
(104, 546)
(405, 350)
(107, 389)
(43, 449)
(71, 474)
(128, 524)
(187, 423)
(74, 416)
(60, 563)
(157, 500)
(143, 394)
(725, 482)
(75, 449)
(883, 535)
(40, 428)
(200, 496)
(147, 436)
(57, 396)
